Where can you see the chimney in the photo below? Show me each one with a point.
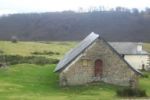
(139, 47)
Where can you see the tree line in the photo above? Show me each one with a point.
(118, 24)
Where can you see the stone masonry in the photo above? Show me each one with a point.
(81, 70)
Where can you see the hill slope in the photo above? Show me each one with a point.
(112, 25)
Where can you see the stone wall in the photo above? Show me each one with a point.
(81, 70)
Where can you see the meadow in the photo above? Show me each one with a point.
(27, 48)
(39, 82)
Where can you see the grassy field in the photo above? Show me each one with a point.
(36, 82)
(32, 82)
(26, 48)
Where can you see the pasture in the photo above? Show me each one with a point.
(38, 82)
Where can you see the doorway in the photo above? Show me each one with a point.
(98, 67)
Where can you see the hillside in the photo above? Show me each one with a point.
(112, 25)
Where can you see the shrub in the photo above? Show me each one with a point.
(16, 59)
(145, 76)
(40, 60)
(1, 52)
(129, 92)
(14, 39)
(45, 53)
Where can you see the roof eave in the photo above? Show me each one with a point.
(59, 70)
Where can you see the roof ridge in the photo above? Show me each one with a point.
(81, 47)
(137, 71)
(72, 54)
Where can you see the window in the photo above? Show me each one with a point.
(85, 62)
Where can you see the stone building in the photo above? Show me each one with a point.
(95, 60)
(133, 53)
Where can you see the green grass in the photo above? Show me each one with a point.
(144, 83)
(32, 82)
(35, 82)
(26, 48)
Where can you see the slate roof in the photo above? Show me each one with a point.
(129, 48)
(72, 54)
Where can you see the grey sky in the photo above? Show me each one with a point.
(23, 6)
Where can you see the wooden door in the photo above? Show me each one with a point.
(98, 67)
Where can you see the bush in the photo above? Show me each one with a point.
(40, 60)
(1, 52)
(129, 92)
(14, 39)
(16, 59)
(45, 53)
(145, 76)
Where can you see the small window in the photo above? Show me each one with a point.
(85, 62)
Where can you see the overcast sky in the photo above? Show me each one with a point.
(24, 6)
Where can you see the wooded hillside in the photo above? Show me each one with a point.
(118, 25)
